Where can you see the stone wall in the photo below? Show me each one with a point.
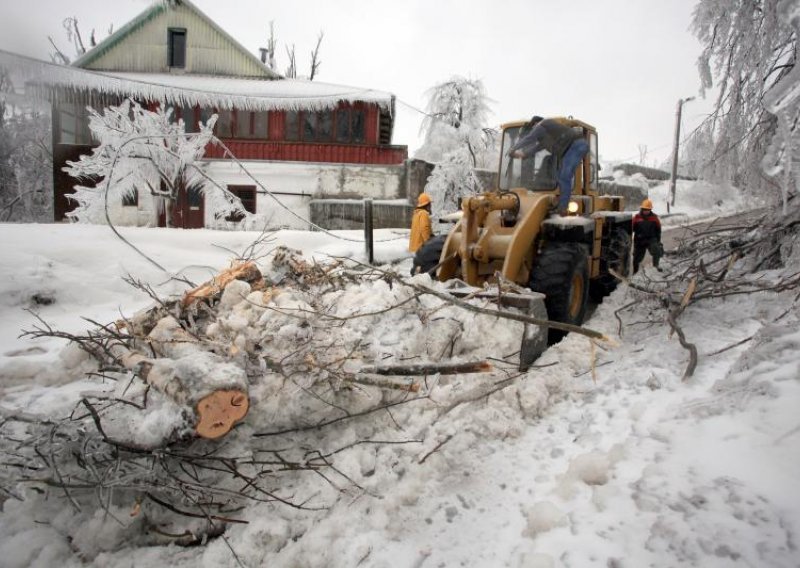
(349, 213)
(649, 173)
(633, 194)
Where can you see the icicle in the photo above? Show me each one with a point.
(190, 90)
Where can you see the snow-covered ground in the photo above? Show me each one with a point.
(596, 457)
(694, 200)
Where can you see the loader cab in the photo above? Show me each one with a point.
(540, 171)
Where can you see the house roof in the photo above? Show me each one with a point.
(153, 11)
(204, 91)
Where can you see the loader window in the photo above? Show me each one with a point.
(537, 172)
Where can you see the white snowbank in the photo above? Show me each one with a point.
(635, 469)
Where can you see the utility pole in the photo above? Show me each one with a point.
(674, 177)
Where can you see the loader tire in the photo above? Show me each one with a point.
(617, 257)
(427, 256)
(561, 273)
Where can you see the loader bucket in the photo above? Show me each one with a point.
(534, 337)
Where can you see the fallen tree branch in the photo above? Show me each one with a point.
(421, 369)
(690, 347)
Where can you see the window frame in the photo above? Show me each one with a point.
(306, 126)
(81, 134)
(238, 190)
(171, 53)
(129, 200)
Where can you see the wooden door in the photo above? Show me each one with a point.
(188, 210)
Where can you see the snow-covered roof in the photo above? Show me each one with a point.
(204, 91)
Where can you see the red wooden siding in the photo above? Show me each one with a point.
(305, 152)
(372, 125)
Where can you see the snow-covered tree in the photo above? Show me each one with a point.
(457, 139)
(143, 151)
(748, 49)
(783, 101)
(696, 154)
(26, 179)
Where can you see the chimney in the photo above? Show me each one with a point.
(263, 52)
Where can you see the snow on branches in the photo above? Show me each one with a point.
(457, 140)
(142, 151)
(783, 100)
(748, 49)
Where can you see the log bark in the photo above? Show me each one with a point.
(246, 271)
(215, 389)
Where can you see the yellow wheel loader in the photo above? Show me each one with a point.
(514, 233)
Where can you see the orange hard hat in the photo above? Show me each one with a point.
(647, 204)
(423, 200)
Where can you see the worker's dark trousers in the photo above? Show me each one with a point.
(640, 247)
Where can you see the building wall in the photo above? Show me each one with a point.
(297, 184)
(208, 51)
(329, 195)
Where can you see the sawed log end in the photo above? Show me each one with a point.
(218, 412)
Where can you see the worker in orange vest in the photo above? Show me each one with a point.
(646, 236)
(420, 223)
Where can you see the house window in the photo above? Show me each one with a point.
(189, 117)
(344, 125)
(205, 115)
(224, 126)
(357, 126)
(350, 125)
(247, 194)
(176, 47)
(324, 126)
(260, 124)
(242, 124)
(252, 124)
(74, 124)
(309, 124)
(131, 199)
(292, 125)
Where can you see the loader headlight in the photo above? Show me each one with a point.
(572, 208)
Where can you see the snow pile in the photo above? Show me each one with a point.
(306, 375)
(699, 199)
(599, 456)
(694, 199)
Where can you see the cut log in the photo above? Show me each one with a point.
(214, 388)
(246, 271)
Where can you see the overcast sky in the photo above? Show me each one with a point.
(618, 64)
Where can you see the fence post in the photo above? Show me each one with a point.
(369, 247)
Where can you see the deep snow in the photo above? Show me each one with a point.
(630, 467)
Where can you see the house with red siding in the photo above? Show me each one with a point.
(284, 142)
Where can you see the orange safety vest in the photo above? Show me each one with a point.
(420, 229)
